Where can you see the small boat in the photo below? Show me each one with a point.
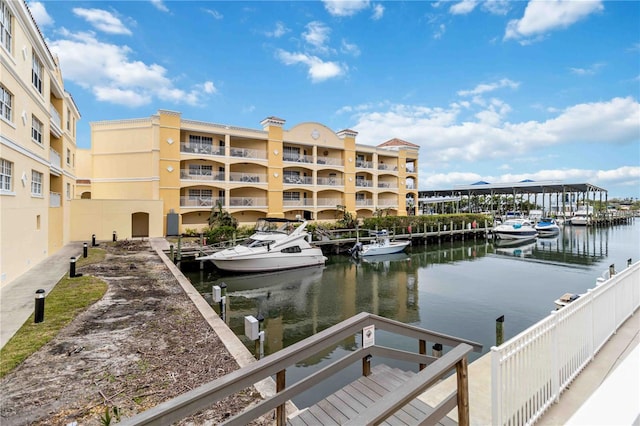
(382, 244)
(565, 299)
(581, 217)
(276, 245)
(515, 229)
(547, 227)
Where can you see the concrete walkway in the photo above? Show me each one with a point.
(17, 299)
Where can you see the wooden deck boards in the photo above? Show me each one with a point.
(353, 399)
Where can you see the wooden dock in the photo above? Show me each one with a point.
(357, 397)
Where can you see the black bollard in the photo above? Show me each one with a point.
(38, 315)
(93, 240)
(499, 330)
(115, 236)
(72, 267)
(436, 350)
(85, 250)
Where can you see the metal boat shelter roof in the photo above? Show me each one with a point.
(523, 187)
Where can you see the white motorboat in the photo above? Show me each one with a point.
(582, 217)
(382, 244)
(515, 229)
(547, 227)
(277, 244)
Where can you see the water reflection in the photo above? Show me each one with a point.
(447, 287)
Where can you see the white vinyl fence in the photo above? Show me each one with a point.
(530, 371)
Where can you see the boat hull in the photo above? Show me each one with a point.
(515, 235)
(270, 262)
(391, 248)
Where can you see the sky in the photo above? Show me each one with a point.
(496, 91)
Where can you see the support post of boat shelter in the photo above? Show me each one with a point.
(612, 270)
(281, 412)
(172, 254)
(499, 330)
(179, 255)
(259, 344)
(423, 351)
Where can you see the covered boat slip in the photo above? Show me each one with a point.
(382, 395)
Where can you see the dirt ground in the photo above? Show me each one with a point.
(142, 344)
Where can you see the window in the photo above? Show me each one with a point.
(6, 31)
(291, 196)
(290, 153)
(68, 191)
(36, 183)
(6, 102)
(36, 72)
(5, 175)
(36, 129)
(68, 157)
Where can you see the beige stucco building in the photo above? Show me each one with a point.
(37, 146)
(307, 170)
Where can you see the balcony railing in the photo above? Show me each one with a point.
(56, 121)
(361, 164)
(191, 201)
(297, 158)
(364, 183)
(247, 177)
(54, 199)
(388, 203)
(54, 158)
(387, 185)
(330, 161)
(244, 202)
(329, 202)
(201, 148)
(297, 180)
(256, 154)
(304, 202)
(382, 166)
(330, 181)
(364, 203)
(205, 175)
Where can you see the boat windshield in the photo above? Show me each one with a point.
(251, 243)
(284, 227)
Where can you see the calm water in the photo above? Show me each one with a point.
(453, 288)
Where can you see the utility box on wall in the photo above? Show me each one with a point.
(173, 227)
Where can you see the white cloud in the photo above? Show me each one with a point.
(279, 31)
(102, 20)
(350, 48)
(496, 7)
(541, 17)
(463, 8)
(317, 35)
(345, 7)
(378, 12)
(447, 138)
(159, 4)
(216, 15)
(109, 73)
(318, 70)
(484, 88)
(40, 14)
(593, 69)
(439, 32)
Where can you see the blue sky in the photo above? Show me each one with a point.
(498, 91)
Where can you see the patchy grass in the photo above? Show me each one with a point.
(67, 299)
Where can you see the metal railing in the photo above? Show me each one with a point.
(329, 202)
(54, 199)
(330, 181)
(54, 158)
(207, 175)
(293, 158)
(531, 370)
(247, 177)
(191, 201)
(390, 185)
(432, 370)
(304, 202)
(364, 203)
(55, 117)
(364, 164)
(388, 203)
(364, 183)
(255, 154)
(297, 180)
(330, 161)
(201, 148)
(244, 202)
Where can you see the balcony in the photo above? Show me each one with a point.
(387, 203)
(361, 164)
(364, 203)
(330, 181)
(54, 199)
(247, 177)
(382, 166)
(196, 202)
(201, 175)
(387, 185)
(293, 158)
(330, 161)
(245, 202)
(254, 154)
(202, 148)
(329, 202)
(55, 162)
(364, 183)
(56, 122)
(297, 180)
(304, 202)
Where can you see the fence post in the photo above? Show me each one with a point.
(496, 387)
(499, 330)
(462, 378)
(555, 362)
(423, 351)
